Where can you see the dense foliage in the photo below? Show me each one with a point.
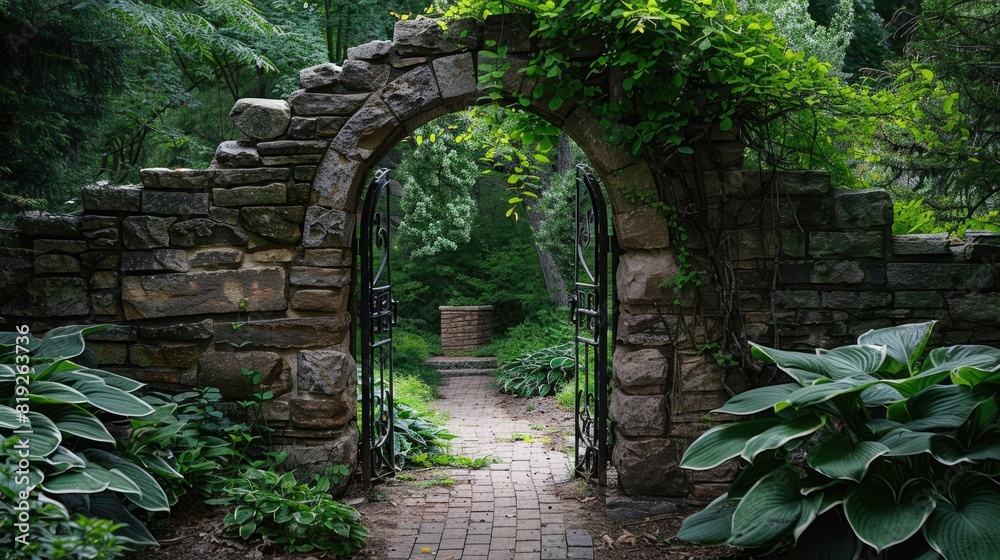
(299, 517)
(875, 446)
(69, 458)
(498, 266)
(96, 446)
(58, 76)
(959, 41)
(437, 205)
(538, 374)
(102, 88)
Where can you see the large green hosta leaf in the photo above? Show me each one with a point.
(45, 436)
(762, 465)
(951, 451)
(62, 460)
(968, 364)
(63, 343)
(80, 423)
(966, 525)
(838, 363)
(778, 436)
(150, 495)
(113, 400)
(74, 482)
(79, 374)
(712, 525)
(9, 418)
(722, 443)
(941, 406)
(49, 392)
(106, 505)
(772, 508)
(837, 457)
(883, 515)
(903, 443)
(822, 392)
(904, 344)
(828, 538)
(758, 400)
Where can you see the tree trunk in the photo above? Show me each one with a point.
(555, 283)
(564, 156)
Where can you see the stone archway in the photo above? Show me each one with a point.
(386, 89)
(248, 263)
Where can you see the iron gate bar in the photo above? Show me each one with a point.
(378, 315)
(589, 313)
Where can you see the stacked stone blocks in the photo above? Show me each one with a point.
(466, 327)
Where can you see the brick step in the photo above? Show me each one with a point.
(443, 363)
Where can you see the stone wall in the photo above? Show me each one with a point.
(814, 267)
(205, 274)
(248, 264)
(466, 327)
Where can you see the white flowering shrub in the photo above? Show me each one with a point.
(438, 208)
(792, 21)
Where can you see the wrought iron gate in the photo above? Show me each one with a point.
(589, 313)
(378, 315)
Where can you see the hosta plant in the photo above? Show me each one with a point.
(877, 448)
(537, 374)
(54, 411)
(414, 434)
(299, 517)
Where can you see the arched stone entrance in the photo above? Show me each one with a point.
(385, 90)
(248, 263)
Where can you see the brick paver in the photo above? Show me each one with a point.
(508, 510)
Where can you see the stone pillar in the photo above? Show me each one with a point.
(465, 328)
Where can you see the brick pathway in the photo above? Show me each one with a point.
(507, 511)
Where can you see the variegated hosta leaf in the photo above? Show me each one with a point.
(883, 514)
(772, 508)
(712, 525)
(838, 363)
(782, 434)
(965, 524)
(903, 343)
(758, 400)
(942, 406)
(837, 457)
(722, 443)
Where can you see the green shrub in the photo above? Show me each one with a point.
(409, 350)
(188, 443)
(543, 329)
(54, 534)
(299, 517)
(566, 397)
(413, 392)
(538, 374)
(416, 434)
(868, 448)
(70, 456)
(409, 344)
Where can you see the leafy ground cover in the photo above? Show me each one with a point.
(879, 448)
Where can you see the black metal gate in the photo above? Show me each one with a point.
(378, 315)
(589, 312)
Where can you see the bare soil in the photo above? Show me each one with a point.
(194, 531)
